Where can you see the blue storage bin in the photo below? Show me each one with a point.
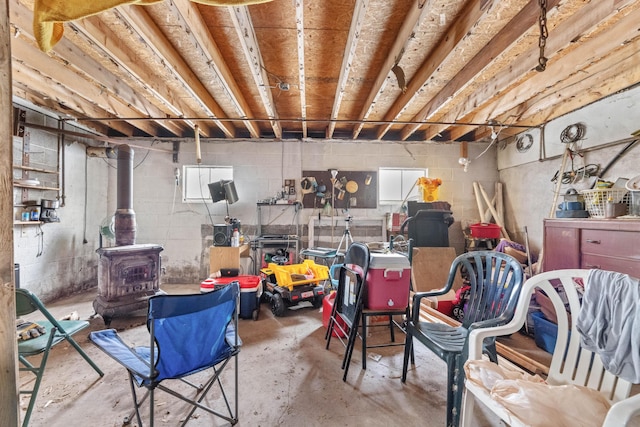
(545, 332)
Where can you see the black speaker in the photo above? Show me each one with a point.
(222, 234)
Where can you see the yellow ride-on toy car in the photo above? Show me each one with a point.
(288, 285)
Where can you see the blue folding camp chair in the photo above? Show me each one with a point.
(56, 331)
(188, 334)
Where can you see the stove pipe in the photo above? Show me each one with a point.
(125, 217)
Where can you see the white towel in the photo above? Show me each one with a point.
(609, 322)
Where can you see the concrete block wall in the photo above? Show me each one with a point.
(529, 191)
(260, 169)
(58, 259)
(69, 262)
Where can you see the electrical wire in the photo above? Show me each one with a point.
(84, 219)
(576, 174)
(572, 176)
(40, 235)
(572, 133)
(173, 205)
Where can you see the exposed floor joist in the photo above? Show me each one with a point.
(384, 70)
(242, 23)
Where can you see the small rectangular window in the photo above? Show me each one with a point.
(397, 184)
(195, 181)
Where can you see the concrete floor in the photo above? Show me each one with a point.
(286, 376)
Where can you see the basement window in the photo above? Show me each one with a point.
(196, 178)
(396, 184)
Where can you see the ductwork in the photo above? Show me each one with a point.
(125, 217)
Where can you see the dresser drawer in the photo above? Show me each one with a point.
(622, 265)
(610, 243)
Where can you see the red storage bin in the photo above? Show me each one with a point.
(327, 308)
(485, 231)
(250, 292)
(388, 281)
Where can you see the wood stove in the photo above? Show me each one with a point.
(128, 273)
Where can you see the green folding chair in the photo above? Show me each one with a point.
(56, 331)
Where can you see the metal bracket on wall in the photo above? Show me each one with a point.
(176, 150)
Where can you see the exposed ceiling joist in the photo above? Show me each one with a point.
(91, 33)
(487, 105)
(478, 14)
(249, 42)
(206, 43)
(357, 21)
(510, 34)
(459, 65)
(618, 71)
(301, 67)
(93, 95)
(414, 16)
(70, 57)
(44, 85)
(151, 35)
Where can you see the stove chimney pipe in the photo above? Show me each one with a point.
(125, 217)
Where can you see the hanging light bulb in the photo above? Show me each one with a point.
(464, 161)
(464, 156)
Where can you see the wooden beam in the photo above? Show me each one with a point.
(35, 81)
(357, 20)
(414, 16)
(206, 44)
(249, 43)
(471, 16)
(9, 415)
(520, 25)
(25, 93)
(9, 377)
(520, 80)
(301, 68)
(58, 74)
(114, 141)
(103, 45)
(71, 57)
(619, 71)
(153, 37)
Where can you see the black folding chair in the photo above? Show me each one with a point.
(188, 334)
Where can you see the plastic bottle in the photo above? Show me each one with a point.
(235, 239)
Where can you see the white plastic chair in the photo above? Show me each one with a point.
(575, 366)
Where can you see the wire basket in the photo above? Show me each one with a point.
(596, 200)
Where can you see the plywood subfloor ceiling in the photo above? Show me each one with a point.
(397, 70)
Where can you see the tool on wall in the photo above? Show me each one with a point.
(615, 159)
(565, 155)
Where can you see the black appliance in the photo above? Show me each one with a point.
(428, 227)
(223, 190)
(222, 233)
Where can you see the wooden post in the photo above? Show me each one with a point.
(493, 212)
(476, 191)
(9, 415)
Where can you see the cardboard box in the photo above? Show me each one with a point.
(226, 257)
(430, 271)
